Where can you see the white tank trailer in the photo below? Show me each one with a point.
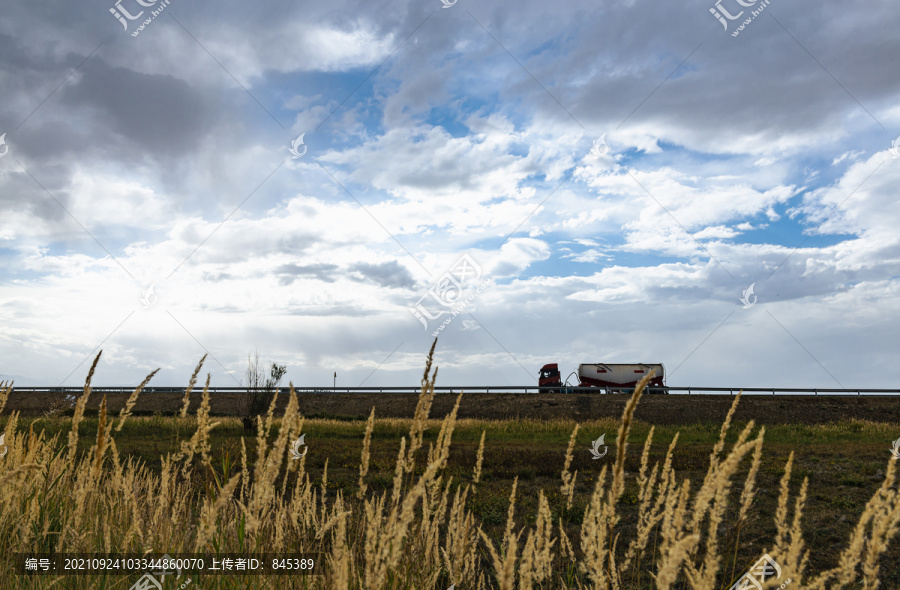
(617, 377)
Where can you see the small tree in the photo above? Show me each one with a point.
(276, 372)
(260, 388)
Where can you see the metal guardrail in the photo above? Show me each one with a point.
(518, 389)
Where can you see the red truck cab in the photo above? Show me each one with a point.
(549, 377)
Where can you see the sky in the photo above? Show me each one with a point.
(333, 185)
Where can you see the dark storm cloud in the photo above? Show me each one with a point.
(330, 311)
(386, 274)
(20, 194)
(288, 273)
(162, 115)
(669, 66)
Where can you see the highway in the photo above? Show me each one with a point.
(486, 389)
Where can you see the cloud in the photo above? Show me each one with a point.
(387, 274)
(590, 255)
(161, 116)
(288, 273)
(163, 160)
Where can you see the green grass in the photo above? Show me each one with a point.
(518, 431)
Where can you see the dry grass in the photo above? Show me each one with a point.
(422, 532)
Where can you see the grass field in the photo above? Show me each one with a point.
(436, 509)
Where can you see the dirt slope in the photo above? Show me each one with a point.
(656, 409)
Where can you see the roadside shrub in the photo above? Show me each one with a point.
(261, 389)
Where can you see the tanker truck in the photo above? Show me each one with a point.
(614, 378)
